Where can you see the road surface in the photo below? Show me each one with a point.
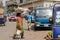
(6, 32)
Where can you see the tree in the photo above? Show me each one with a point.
(10, 9)
(1, 5)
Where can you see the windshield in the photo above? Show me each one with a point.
(44, 12)
(57, 16)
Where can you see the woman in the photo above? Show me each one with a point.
(19, 22)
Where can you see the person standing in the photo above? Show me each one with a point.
(19, 25)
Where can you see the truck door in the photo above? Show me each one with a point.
(56, 21)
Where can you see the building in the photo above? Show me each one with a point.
(33, 3)
(3, 2)
(37, 3)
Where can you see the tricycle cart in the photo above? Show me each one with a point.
(2, 16)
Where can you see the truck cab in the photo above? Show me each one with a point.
(43, 18)
(56, 21)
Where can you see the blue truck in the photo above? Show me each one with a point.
(43, 18)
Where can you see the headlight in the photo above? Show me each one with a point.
(58, 36)
(50, 19)
(37, 25)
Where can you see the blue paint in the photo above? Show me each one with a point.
(44, 20)
(56, 31)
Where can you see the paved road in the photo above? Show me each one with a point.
(6, 32)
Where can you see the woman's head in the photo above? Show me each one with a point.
(18, 14)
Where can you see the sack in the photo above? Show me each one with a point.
(18, 32)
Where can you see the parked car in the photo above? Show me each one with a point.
(12, 17)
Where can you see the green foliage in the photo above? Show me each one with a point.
(10, 9)
(50, 33)
(1, 5)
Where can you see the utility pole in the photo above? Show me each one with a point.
(5, 7)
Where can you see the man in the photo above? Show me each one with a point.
(29, 17)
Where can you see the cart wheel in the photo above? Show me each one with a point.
(22, 34)
(4, 24)
(9, 19)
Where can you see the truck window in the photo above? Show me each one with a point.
(44, 13)
(57, 21)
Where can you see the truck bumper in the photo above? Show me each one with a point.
(42, 26)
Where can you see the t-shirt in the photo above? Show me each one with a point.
(29, 17)
(19, 19)
(19, 23)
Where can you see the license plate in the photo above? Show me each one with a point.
(37, 25)
(45, 25)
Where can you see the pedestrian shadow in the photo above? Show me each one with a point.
(16, 38)
(32, 27)
(26, 29)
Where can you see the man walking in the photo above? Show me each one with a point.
(29, 17)
(19, 27)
